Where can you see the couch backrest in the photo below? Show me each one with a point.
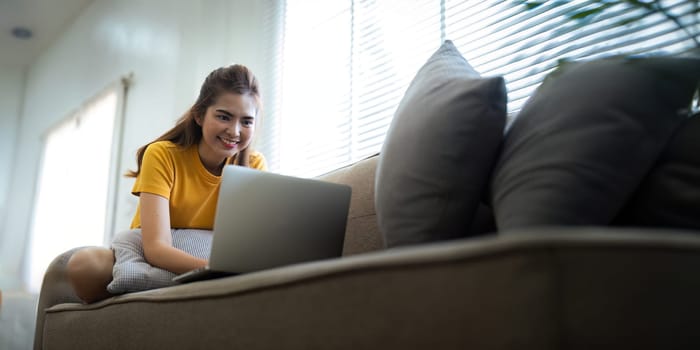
(362, 231)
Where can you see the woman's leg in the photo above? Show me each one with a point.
(90, 271)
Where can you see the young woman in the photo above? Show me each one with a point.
(178, 178)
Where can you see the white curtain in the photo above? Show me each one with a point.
(75, 192)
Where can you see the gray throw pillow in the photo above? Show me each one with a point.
(586, 138)
(669, 196)
(439, 151)
(132, 273)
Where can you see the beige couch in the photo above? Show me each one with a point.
(575, 288)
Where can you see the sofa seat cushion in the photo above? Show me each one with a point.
(561, 288)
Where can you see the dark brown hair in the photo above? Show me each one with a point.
(186, 132)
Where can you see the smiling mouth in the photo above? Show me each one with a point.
(229, 143)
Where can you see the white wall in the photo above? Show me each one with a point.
(169, 46)
(11, 90)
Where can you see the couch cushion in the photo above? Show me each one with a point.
(439, 151)
(670, 194)
(361, 233)
(556, 289)
(586, 138)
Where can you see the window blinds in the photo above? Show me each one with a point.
(344, 65)
(504, 38)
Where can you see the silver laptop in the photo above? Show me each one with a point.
(265, 220)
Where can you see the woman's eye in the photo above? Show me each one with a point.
(224, 117)
(247, 122)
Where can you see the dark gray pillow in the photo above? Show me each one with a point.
(439, 151)
(587, 137)
(670, 194)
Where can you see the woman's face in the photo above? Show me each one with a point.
(227, 128)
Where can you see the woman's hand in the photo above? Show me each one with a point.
(158, 241)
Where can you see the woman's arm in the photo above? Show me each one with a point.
(157, 239)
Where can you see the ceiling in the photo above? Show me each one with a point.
(47, 19)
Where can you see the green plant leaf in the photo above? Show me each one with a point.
(587, 13)
(533, 4)
(649, 7)
(643, 4)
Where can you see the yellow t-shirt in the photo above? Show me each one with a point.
(178, 174)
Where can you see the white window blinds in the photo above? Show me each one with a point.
(505, 38)
(344, 64)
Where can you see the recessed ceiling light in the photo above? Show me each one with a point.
(21, 33)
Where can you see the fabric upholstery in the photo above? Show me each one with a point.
(132, 273)
(55, 289)
(669, 196)
(439, 151)
(361, 233)
(587, 137)
(549, 289)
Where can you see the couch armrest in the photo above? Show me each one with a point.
(55, 289)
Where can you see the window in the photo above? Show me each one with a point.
(74, 192)
(504, 38)
(345, 64)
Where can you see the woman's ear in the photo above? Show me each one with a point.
(198, 119)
